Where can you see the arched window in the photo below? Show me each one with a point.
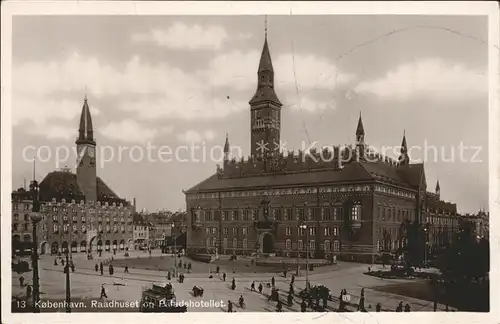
(327, 245)
(288, 244)
(245, 243)
(356, 211)
(235, 243)
(300, 244)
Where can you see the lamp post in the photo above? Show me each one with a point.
(307, 254)
(35, 218)
(175, 249)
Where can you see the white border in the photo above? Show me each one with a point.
(251, 8)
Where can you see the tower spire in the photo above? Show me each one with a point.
(265, 27)
(85, 131)
(403, 157)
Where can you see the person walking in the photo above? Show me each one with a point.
(233, 284)
(378, 307)
(126, 269)
(103, 292)
(279, 306)
(303, 306)
(252, 286)
(217, 270)
(101, 267)
(272, 281)
(224, 276)
(28, 292)
(229, 306)
(260, 288)
(21, 281)
(400, 307)
(407, 308)
(72, 267)
(96, 267)
(293, 280)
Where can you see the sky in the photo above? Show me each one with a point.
(162, 83)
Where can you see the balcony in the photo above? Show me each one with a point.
(265, 224)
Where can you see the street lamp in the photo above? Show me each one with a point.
(35, 218)
(175, 249)
(304, 227)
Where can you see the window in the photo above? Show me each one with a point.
(226, 230)
(74, 228)
(336, 246)
(83, 219)
(288, 214)
(356, 211)
(65, 228)
(16, 217)
(26, 217)
(84, 229)
(244, 231)
(208, 215)
(312, 230)
(277, 213)
(25, 225)
(108, 228)
(214, 230)
(288, 244)
(288, 231)
(15, 227)
(336, 231)
(255, 214)
(26, 206)
(310, 215)
(115, 229)
(207, 230)
(300, 245)
(300, 213)
(302, 231)
(327, 245)
(235, 215)
(235, 243)
(207, 242)
(55, 228)
(15, 207)
(65, 218)
(74, 218)
(235, 230)
(312, 245)
(316, 212)
(245, 215)
(245, 243)
(225, 243)
(325, 214)
(225, 215)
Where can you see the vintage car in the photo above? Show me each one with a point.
(160, 298)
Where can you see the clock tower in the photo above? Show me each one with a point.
(86, 171)
(265, 109)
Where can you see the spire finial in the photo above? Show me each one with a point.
(34, 169)
(85, 93)
(265, 27)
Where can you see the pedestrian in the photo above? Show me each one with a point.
(96, 267)
(293, 279)
(233, 284)
(291, 290)
(224, 276)
(407, 308)
(217, 270)
(55, 261)
(284, 273)
(400, 307)
(28, 291)
(369, 269)
(361, 305)
(126, 269)
(303, 306)
(252, 286)
(62, 261)
(279, 306)
(110, 270)
(272, 281)
(260, 288)
(229, 306)
(72, 267)
(435, 306)
(362, 292)
(378, 307)
(21, 281)
(103, 292)
(290, 300)
(189, 266)
(169, 276)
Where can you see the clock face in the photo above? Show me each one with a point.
(91, 151)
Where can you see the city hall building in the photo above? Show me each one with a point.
(349, 201)
(79, 210)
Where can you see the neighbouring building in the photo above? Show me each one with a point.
(349, 201)
(161, 228)
(480, 223)
(141, 232)
(80, 211)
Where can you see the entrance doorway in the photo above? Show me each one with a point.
(267, 243)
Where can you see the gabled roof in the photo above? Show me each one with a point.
(404, 176)
(64, 185)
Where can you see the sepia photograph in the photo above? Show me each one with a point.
(270, 161)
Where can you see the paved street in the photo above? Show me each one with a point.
(86, 284)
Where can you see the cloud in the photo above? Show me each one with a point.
(239, 70)
(181, 36)
(53, 131)
(39, 110)
(192, 136)
(429, 77)
(129, 130)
